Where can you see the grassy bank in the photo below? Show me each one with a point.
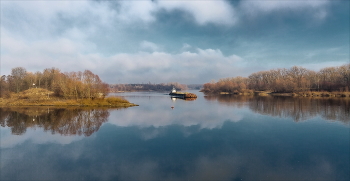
(43, 97)
(310, 94)
(295, 94)
(323, 94)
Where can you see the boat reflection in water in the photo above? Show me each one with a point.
(186, 99)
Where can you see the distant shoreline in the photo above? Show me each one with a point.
(298, 94)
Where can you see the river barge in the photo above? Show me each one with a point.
(182, 95)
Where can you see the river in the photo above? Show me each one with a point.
(211, 138)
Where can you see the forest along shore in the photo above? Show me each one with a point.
(296, 81)
(43, 97)
(51, 87)
(298, 94)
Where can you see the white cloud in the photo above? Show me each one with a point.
(210, 52)
(137, 10)
(30, 38)
(42, 14)
(40, 19)
(218, 12)
(64, 53)
(186, 46)
(73, 53)
(146, 45)
(204, 12)
(184, 67)
(69, 55)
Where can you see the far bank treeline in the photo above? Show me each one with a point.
(147, 87)
(70, 85)
(293, 80)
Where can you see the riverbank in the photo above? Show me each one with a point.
(296, 94)
(43, 97)
(313, 94)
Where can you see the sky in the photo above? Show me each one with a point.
(185, 41)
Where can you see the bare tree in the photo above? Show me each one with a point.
(18, 75)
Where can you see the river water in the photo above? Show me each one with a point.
(211, 138)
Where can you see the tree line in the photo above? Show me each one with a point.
(147, 87)
(70, 85)
(294, 79)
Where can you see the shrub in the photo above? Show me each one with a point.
(114, 99)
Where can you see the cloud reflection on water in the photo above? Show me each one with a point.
(155, 113)
(119, 153)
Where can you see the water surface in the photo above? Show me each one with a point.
(210, 138)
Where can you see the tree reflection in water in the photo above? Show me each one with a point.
(297, 108)
(70, 121)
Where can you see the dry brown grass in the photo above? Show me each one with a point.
(262, 93)
(43, 97)
(109, 101)
(323, 94)
(247, 92)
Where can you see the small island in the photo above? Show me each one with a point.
(54, 88)
(182, 95)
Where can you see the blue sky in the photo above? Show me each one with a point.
(143, 41)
